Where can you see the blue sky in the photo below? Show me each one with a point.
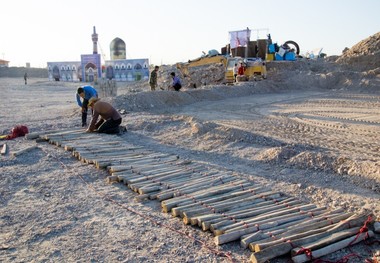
(169, 31)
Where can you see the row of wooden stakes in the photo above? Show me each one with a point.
(267, 222)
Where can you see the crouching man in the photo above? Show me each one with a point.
(110, 118)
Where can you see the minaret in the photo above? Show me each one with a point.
(95, 42)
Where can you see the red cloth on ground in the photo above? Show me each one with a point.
(17, 131)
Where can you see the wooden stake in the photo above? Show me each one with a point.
(286, 247)
(35, 135)
(124, 157)
(269, 242)
(14, 154)
(265, 224)
(268, 216)
(111, 179)
(236, 234)
(207, 220)
(167, 205)
(4, 149)
(122, 161)
(254, 213)
(169, 194)
(330, 239)
(294, 227)
(194, 201)
(334, 247)
(222, 206)
(100, 146)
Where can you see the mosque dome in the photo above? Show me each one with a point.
(117, 48)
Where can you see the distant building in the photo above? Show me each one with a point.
(89, 69)
(127, 69)
(65, 71)
(117, 49)
(4, 63)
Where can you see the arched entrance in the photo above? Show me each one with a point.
(90, 72)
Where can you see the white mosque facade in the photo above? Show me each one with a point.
(90, 69)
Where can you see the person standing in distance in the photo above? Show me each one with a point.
(235, 71)
(26, 78)
(241, 69)
(153, 79)
(86, 93)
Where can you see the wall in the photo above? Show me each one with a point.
(18, 72)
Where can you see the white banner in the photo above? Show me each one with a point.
(239, 38)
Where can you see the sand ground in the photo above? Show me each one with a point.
(315, 138)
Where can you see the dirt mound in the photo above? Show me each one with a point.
(365, 55)
(298, 75)
(359, 67)
(368, 46)
(207, 75)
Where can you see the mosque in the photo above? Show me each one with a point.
(90, 69)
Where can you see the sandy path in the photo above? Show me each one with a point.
(343, 125)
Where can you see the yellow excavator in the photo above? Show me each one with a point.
(254, 67)
(184, 68)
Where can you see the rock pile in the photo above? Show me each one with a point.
(363, 56)
(366, 47)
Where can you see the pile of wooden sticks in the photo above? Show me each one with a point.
(230, 206)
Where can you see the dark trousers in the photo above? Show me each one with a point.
(109, 126)
(177, 86)
(84, 112)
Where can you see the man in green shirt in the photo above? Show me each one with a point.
(153, 78)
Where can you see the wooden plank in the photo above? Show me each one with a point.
(14, 154)
(35, 135)
(4, 149)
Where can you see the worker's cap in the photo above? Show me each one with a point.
(92, 101)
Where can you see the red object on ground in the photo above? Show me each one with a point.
(17, 131)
